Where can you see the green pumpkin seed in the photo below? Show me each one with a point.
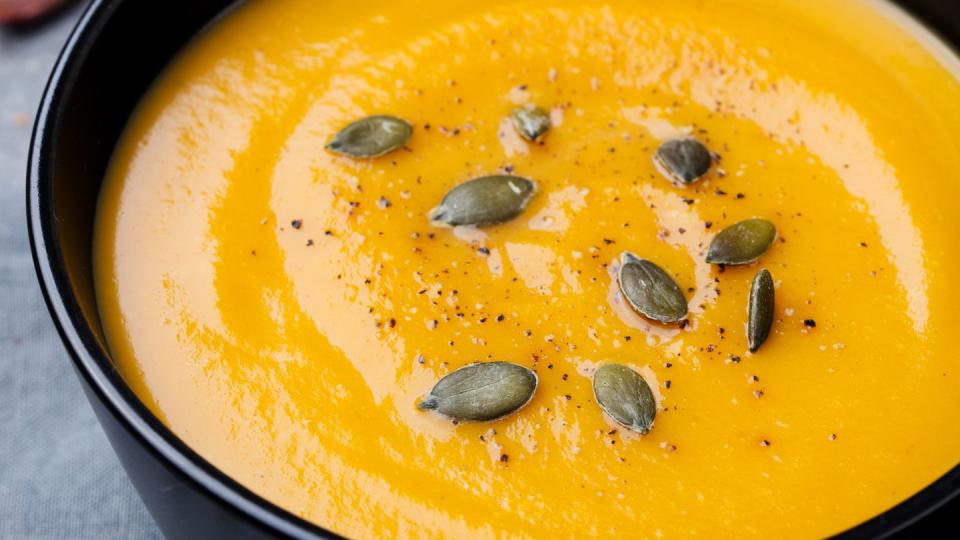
(371, 137)
(625, 396)
(531, 122)
(487, 200)
(684, 160)
(650, 290)
(481, 392)
(760, 309)
(742, 243)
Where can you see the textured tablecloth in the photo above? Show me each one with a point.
(59, 477)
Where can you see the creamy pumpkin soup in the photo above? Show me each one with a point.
(548, 269)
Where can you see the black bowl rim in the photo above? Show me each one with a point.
(89, 359)
(96, 368)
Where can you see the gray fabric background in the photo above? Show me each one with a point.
(59, 477)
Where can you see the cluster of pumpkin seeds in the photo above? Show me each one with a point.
(487, 391)
(651, 291)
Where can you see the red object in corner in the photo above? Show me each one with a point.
(25, 11)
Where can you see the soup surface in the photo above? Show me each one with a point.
(292, 357)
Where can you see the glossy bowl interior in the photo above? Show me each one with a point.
(108, 63)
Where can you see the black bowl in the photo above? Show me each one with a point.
(110, 59)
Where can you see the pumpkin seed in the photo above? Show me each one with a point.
(625, 396)
(371, 137)
(742, 242)
(531, 122)
(684, 160)
(487, 200)
(481, 392)
(760, 309)
(650, 290)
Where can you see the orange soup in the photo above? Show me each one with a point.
(284, 308)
